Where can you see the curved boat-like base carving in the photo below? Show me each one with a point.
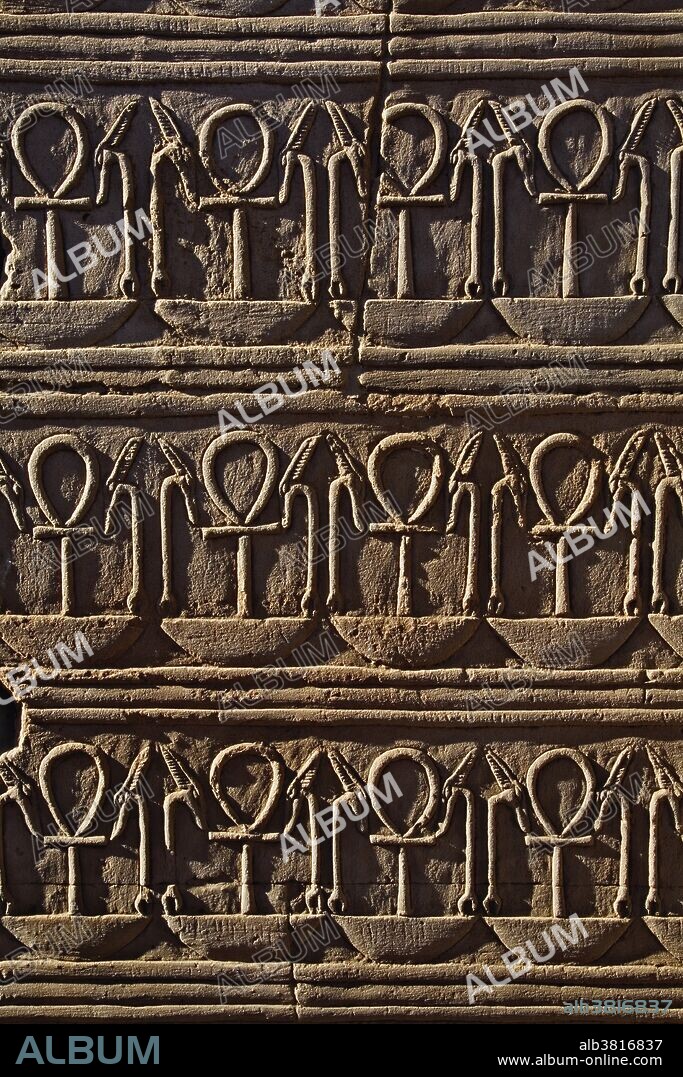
(589, 320)
(63, 936)
(59, 322)
(539, 641)
(229, 640)
(674, 305)
(670, 629)
(669, 931)
(404, 938)
(405, 642)
(31, 636)
(601, 934)
(234, 321)
(417, 322)
(229, 937)
(312, 937)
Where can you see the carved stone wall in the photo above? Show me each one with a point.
(342, 508)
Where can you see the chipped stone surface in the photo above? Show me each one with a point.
(342, 507)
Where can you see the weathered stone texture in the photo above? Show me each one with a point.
(340, 373)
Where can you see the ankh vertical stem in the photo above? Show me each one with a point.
(570, 278)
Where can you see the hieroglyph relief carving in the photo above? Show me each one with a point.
(389, 656)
